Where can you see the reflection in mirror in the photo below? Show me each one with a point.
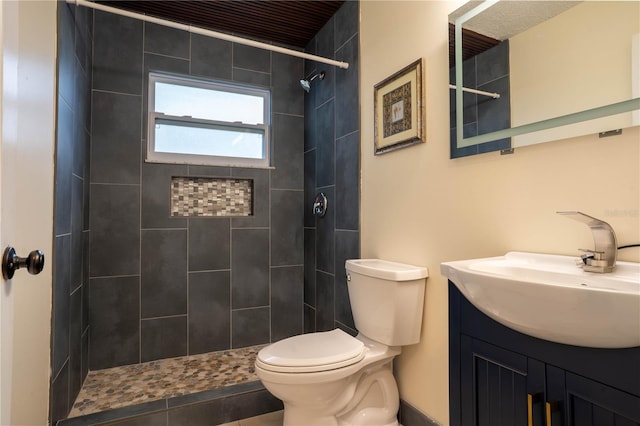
(564, 58)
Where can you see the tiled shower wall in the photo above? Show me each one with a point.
(488, 71)
(332, 166)
(70, 326)
(165, 287)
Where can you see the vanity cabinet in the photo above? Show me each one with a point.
(500, 377)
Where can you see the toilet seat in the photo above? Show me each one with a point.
(313, 352)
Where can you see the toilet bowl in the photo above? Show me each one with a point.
(320, 388)
(333, 378)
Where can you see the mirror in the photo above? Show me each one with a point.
(574, 67)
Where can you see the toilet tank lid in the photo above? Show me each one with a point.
(385, 269)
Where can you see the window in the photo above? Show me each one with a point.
(195, 121)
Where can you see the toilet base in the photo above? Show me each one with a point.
(371, 399)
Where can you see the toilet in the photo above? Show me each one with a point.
(333, 378)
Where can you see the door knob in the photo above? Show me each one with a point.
(34, 262)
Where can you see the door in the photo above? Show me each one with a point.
(27, 106)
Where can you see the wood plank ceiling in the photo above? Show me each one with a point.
(291, 22)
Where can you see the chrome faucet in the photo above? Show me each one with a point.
(603, 257)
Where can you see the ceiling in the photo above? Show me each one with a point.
(500, 22)
(290, 22)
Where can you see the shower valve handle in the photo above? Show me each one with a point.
(320, 205)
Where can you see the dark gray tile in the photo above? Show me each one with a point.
(411, 416)
(288, 135)
(203, 49)
(347, 19)
(325, 145)
(495, 114)
(211, 171)
(249, 327)
(86, 197)
(251, 58)
(325, 297)
(115, 138)
(83, 34)
(310, 266)
(115, 317)
(250, 268)
(163, 338)
(66, 54)
(86, 241)
(216, 393)
(117, 415)
(156, 195)
(309, 187)
(164, 273)
(63, 169)
(325, 47)
(81, 141)
(61, 301)
(77, 239)
(325, 230)
(166, 41)
(75, 345)
(209, 244)
(493, 63)
(85, 355)
(309, 122)
(115, 233)
(261, 198)
(287, 289)
(117, 53)
(309, 319)
(254, 78)
(347, 90)
(288, 96)
(287, 231)
(209, 311)
(347, 204)
(59, 398)
(82, 105)
(347, 247)
(154, 419)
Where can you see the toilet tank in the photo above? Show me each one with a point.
(386, 299)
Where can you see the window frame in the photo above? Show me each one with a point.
(153, 156)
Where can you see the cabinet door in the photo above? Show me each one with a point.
(591, 403)
(494, 385)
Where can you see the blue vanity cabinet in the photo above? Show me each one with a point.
(499, 377)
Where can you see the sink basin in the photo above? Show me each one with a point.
(549, 297)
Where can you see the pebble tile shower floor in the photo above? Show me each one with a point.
(134, 384)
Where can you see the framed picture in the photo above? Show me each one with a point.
(399, 110)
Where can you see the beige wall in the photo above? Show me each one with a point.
(545, 59)
(420, 207)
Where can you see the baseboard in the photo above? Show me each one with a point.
(411, 416)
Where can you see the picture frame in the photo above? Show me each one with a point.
(399, 109)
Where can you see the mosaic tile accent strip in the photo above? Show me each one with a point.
(167, 378)
(211, 197)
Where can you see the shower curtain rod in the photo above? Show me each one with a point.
(209, 33)
(477, 92)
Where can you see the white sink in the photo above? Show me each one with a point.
(549, 297)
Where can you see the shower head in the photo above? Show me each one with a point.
(306, 83)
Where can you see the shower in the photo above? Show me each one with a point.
(306, 83)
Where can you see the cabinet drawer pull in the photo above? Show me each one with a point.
(532, 398)
(550, 407)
